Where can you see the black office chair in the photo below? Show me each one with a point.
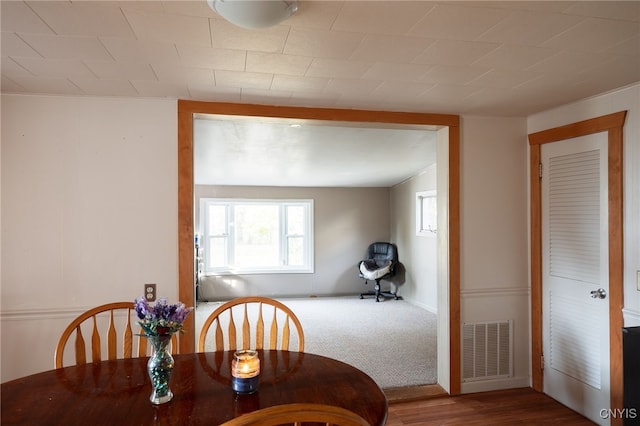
(380, 263)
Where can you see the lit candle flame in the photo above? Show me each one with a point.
(245, 364)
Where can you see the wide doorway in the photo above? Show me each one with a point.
(448, 297)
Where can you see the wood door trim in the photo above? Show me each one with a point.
(186, 110)
(580, 128)
(612, 124)
(536, 268)
(186, 250)
(329, 114)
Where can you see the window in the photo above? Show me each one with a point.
(426, 213)
(257, 236)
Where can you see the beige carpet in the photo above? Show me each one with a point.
(392, 341)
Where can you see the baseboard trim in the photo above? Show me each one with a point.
(492, 385)
(422, 306)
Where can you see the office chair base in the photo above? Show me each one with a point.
(377, 293)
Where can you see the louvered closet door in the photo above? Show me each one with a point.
(575, 274)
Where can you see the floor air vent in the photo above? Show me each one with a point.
(487, 350)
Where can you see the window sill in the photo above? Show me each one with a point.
(258, 272)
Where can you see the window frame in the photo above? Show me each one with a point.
(423, 197)
(229, 247)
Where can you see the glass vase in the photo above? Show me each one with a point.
(160, 367)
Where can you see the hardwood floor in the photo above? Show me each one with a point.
(507, 407)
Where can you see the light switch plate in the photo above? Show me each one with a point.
(638, 280)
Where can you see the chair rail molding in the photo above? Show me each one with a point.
(631, 317)
(40, 314)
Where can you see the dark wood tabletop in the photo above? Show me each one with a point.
(117, 392)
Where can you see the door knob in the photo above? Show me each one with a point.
(599, 293)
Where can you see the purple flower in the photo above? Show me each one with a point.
(142, 307)
(162, 318)
(181, 313)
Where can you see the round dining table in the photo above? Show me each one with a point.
(117, 392)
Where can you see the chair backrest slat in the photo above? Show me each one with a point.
(95, 342)
(285, 333)
(273, 332)
(260, 329)
(175, 339)
(112, 338)
(252, 308)
(81, 355)
(219, 335)
(142, 346)
(232, 331)
(127, 340)
(246, 333)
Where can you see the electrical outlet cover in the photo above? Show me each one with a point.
(150, 292)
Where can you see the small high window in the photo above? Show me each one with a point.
(426, 213)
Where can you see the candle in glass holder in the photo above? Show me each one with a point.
(245, 371)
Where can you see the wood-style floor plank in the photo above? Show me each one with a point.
(497, 408)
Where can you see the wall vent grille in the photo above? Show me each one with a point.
(487, 350)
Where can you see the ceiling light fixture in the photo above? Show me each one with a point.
(254, 14)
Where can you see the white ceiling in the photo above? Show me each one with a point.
(470, 58)
(272, 152)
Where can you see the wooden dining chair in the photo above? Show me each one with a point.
(298, 413)
(282, 329)
(103, 322)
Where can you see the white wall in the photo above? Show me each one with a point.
(346, 221)
(620, 100)
(418, 254)
(89, 196)
(493, 227)
(89, 214)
